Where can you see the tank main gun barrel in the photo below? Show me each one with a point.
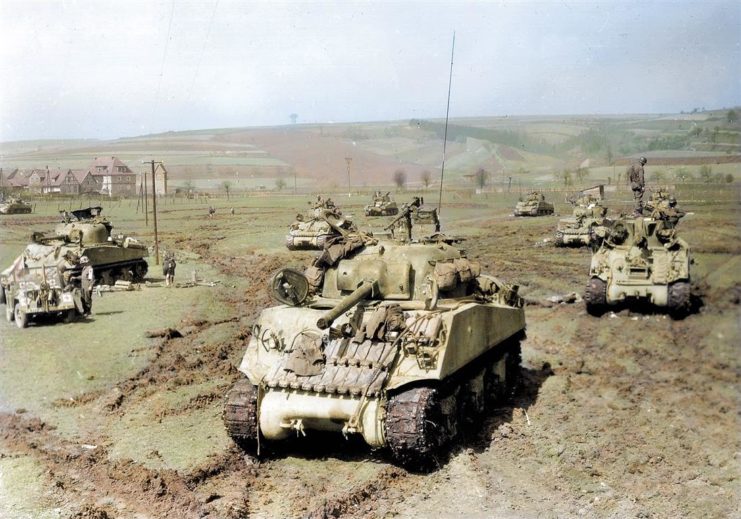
(366, 289)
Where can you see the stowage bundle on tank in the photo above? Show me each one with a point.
(533, 204)
(400, 343)
(85, 232)
(637, 259)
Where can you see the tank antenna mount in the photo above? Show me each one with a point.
(445, 137)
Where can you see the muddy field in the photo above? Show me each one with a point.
(633, 414)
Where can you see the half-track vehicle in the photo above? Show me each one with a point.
(33, 286)
(323, 222)
(533, 204)
(382, 205)
(15, 205)
(639, 259)
(400, 343)
(85, 232)
(577, 229)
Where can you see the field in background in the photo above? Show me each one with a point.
(527, 150)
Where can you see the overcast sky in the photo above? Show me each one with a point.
(106, 69)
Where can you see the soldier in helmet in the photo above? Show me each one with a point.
(637, 181)
(168, 268)
(87, 280)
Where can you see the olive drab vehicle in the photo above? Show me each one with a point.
(382, 205)
(533, 204)
(400, 343)
(33, 286)
(589, 213)
(15, 205)
(86, 233)
(311, 232)
(639, 258)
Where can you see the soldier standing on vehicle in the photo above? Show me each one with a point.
(87, 280)
(637, 180)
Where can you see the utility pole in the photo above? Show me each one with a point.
(154, 211)
(349, 188)
(146, 201)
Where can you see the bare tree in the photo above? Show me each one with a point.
(400, 178)
(426, 178)
(566, 176)
(226, 186)
(481, 177)
(293, 118)
(280, 184)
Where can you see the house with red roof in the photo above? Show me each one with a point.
(114, 178)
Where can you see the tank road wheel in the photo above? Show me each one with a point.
(419, 422)
(595, 296)
(240, 414)
(21, 319)
(289, 243)
(558, 241)
(679, 298)
(107, 278)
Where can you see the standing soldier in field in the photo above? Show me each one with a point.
(637, 181)
(87, 280)
(168, 268)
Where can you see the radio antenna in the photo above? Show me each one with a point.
(445, 137)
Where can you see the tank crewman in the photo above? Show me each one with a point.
(87, 280)
(637, 181)
(66, 268)
(211, 211)
(168, 268)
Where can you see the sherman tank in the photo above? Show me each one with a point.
(577, 229)
(533, 204)
(639, 259)
(33, 287)
(86, 232)
(382, 205)
(323, 222)
(399, 343)
(15, 206)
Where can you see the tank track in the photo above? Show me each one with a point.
(679, 298)
(240, 414)
(134, 270)
(422, 420)
(595, 296)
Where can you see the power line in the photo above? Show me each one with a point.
(162, 67)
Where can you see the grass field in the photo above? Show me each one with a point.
(626, 415)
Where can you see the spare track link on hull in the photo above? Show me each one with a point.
(422, 420)
(240, 414)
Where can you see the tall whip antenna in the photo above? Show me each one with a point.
(445, 138)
